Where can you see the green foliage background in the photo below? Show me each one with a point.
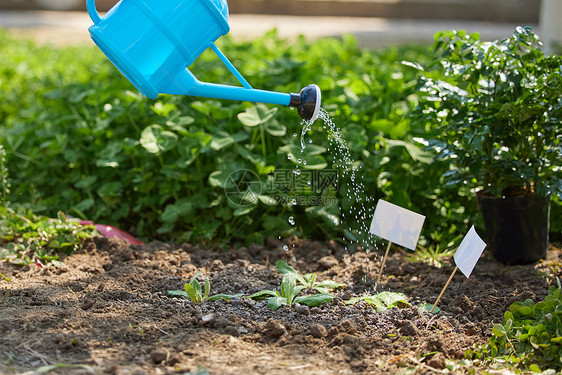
(81, 139)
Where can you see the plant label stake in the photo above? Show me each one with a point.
(466, 257)
(397, 225)
(153, 42)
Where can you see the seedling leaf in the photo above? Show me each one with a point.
(192, 292)
(498, 330)
(314, 300)
(226, 297)
(383, 301)
(207, 289)
(428, 306)
(329, 284)
(262, 294)
(288, 286)
(178, 293)
(276, 302)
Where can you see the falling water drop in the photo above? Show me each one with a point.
(291, 220)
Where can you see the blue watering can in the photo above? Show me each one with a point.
(152, 42)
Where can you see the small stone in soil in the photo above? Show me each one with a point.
(328, 262)
(86, 304)
(159, 355)
(232, 331)
(318, 331)
(207, 318)
(407, 328)
(333, 331)
(302, 309)
(274, 329)
(221, 322)
(437, 361)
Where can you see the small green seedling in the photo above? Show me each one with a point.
(530, 336)
(382, 301)
(195, 293)
(308, 281)
(289, 294)
(427, 307)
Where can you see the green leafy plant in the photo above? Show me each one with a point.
(382, 301)
(530, 336)
(161, 168)
(26, 238)
(433, 255)
(197, 294)
(289, 294)
(498, 112)
(308, 281)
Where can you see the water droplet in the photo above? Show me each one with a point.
(297, 172)
(304, 162)
(286, 248)
(291, 220)
(299, 161)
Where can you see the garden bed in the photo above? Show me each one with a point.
(106, 308)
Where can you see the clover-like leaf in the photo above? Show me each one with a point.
(155, 139)
(256, 115)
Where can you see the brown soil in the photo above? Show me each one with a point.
(106, 308)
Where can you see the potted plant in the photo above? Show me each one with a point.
(496, 109)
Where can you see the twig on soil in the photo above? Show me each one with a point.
(164, 332)
(494, 299)
(300, 367)
(430, 321)
(73, 292)
(36, 354)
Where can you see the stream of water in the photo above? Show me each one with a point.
(348, 172)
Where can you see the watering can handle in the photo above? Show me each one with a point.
(229, 65)
(91, 6)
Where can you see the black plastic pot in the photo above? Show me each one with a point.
(516, 227)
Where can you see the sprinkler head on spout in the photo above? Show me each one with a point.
(307, 102)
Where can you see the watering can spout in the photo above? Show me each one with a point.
(307, 102)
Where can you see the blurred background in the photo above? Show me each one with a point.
(376, 23)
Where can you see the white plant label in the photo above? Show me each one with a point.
(469, 252)
(397, 225)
